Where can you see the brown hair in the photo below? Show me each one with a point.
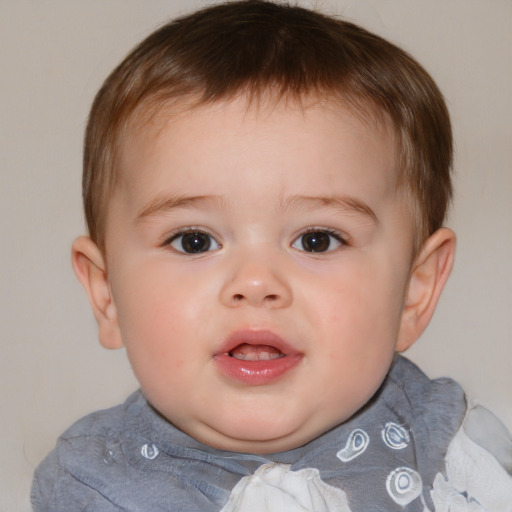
(253, 46)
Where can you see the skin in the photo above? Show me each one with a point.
(255, 180)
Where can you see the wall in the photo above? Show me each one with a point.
(54, 55)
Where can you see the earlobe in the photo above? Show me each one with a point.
(90, 269)
(429, 274)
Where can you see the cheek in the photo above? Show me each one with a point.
(153, 294)
(360, 307)
(155, 313)
(359, 325)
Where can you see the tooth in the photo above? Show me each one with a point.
(256, 356)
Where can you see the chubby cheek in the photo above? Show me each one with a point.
(359, 319)
(158, 317)
(360, 304)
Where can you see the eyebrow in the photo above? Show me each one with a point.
(343, 203)
(162, 205)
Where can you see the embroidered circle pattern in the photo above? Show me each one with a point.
(149, 451)
(356, 444)
(395, 436)
(404, 485)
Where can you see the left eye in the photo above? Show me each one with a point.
(193, 242)
(318, 241)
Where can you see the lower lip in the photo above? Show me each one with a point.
(256, 373)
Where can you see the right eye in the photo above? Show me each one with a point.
(193, 242)
(318, 241)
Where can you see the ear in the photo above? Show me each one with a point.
(90, 269)
(430, 271)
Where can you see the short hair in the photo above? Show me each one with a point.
(254, 46)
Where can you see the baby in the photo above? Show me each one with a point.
(265, 189)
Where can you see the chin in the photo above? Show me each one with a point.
(259, 437)
(256, 446)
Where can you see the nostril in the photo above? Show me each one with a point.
(238, 297)
(248, 289)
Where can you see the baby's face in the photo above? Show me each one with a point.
(258, 260)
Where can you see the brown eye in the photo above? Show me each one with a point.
(193, 242)
(318, 241)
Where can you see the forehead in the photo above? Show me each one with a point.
(305, 125)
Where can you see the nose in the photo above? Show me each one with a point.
(257, 282)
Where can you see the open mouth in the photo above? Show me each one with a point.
(248, 352)
(256, 358)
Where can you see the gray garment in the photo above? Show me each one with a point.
(129, 458)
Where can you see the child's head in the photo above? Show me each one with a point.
(264, 188)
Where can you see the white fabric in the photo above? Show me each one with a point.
(474, 481)
(274, 488)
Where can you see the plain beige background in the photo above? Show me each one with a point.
(54, 55)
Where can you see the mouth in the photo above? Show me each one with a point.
(256, 358)
(248, 352)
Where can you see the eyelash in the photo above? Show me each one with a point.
(201, 249)
(341, 239)
(191, 231)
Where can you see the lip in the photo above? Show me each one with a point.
(259, 372)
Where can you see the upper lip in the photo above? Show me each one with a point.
(256, 337)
